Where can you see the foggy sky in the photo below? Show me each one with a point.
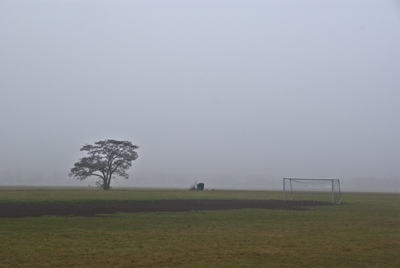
(273, 88)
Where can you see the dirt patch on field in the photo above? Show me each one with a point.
(91, 209)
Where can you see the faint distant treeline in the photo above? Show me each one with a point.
(184, 181)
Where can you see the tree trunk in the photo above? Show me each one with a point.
(106, 184)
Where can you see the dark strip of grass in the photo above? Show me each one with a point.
(90, 209)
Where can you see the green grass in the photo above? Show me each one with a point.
(43, 195)
(362, 232)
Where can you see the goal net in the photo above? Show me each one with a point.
(312, 189)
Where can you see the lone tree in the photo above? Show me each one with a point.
(106, 160)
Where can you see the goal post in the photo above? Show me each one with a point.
(312, 189)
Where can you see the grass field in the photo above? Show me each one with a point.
(364, 231)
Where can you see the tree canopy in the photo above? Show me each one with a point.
(106, 159)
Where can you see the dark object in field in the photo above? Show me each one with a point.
(200, 186)
(91, 209)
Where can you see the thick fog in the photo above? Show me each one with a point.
(235, 94)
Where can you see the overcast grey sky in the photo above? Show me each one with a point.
(289, 88)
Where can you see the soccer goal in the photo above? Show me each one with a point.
(312, 189)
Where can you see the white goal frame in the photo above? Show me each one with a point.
(333, 189)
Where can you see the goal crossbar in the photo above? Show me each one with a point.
(323, 180)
